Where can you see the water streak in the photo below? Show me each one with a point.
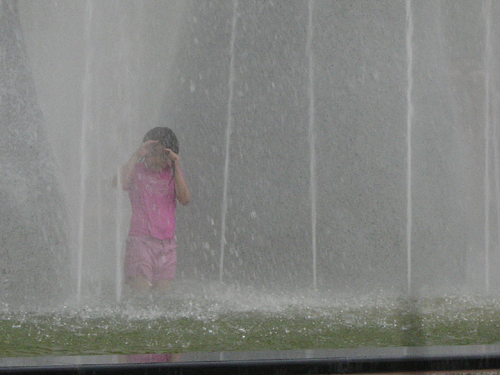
(496, 161)
(487, 109)
(312, 137)
(409, 123)
(118, 236)
(86, 123)
(229, 129)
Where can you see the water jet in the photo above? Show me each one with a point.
(340, 134)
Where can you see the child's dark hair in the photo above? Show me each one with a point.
(165, 136)
(167, 139)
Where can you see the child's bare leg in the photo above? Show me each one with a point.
(140, 283)
(162, 285)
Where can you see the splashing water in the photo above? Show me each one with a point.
(409, 122)
(87, 83)
(487, 118)
(312, 137)
(229, 129)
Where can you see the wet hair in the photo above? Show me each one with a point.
(165, 136)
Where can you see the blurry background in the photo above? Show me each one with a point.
(106, 72)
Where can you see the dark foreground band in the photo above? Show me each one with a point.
(450, 359)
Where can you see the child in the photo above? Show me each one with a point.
(154, 181)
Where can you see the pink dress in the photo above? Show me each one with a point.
(152, 196)
(151, 248)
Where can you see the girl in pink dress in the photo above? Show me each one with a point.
(154, 181)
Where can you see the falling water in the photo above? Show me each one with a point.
(87, 81)
(100, 227)
(409, 120)
(312, 138)
(128, 71)
(118, 236)
(228, 138)
(496, 165)
(487, 66)
(127, 54)
(496, 161)
(493, 102)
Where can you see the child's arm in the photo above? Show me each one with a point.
(181, 189)
(127, 169)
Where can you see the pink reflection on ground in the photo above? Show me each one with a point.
(151, 358)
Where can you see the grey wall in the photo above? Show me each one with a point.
(360, 87)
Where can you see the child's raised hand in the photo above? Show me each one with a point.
(172, 155)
